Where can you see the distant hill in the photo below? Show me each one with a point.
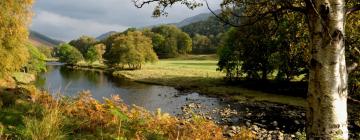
(41, 39)
(210, 27)
(197, 18)
(105, 35)
(183, 23)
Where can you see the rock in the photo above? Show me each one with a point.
(233, 128)
(247, 124)
(275, 123)
(263, 121)
(280, 136)
(303, 114)
(24, 78)
(229, 133)
(296, 122)
(192, 105)
(255, 128)
(208, 117)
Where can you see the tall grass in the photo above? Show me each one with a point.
(48, 127)
(83, 117)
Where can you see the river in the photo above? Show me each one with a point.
(69, 82)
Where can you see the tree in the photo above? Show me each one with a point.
(91, 54)
(37, 61)
(68, 54)
(83, 43)
(15, 18)
(353, 53)
(202, 44)
(327, 92)
(157, 40)
(132, 49)
(95, 53)
(171, 41)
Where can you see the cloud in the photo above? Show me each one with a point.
(67, 28)
(66, 19)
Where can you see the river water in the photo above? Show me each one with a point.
(69, 82)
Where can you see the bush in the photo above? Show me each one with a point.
(68, 54)
(37, 62)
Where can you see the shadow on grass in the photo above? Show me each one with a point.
(268, 91)
(15, 106)
(194, 64)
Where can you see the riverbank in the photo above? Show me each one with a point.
(201, 76)
(27, 113)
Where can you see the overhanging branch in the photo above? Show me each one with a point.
(353, 9)
(143, 3)
(256, 16)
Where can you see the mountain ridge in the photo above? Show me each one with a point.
(41, 39)
(182, 23)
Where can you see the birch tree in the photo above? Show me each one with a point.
(14, 20)
(327, 92)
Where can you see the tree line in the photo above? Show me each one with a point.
(134, 47)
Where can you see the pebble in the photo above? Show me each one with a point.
(275, 123)
(303, 114)
(296, 122)
(255, 128)
(247, 124)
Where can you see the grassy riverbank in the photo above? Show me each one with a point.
(200, 75)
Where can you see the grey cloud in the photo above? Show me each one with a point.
(94, 17)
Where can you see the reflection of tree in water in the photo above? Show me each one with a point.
(127, 84)
(93, 77)
(50, 68)
(88, 76)
(69, 74)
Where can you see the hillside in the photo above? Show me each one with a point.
(105, 35)
(209, 27)
(43, 40)
(197, 18)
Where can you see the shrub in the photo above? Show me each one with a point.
(68, 54)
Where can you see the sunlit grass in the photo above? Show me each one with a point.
(201, 76)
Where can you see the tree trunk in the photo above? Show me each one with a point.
(327, 93)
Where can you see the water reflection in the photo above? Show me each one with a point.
(69, 82)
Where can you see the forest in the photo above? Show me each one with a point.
(251, 70)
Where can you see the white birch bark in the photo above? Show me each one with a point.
(327, 93)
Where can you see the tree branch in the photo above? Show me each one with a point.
(220, 18)
(143, 3)
(353, 9)
(352, 67)
(255, 17)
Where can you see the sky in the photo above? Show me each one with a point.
(69, 19)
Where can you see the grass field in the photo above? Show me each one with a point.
(200, 75)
